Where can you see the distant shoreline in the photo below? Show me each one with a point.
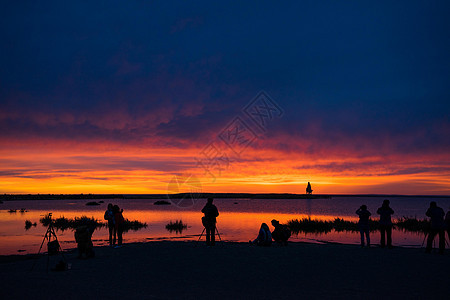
(15, 197)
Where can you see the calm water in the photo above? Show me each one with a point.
(239, 219)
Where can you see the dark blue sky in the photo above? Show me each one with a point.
(177, 72)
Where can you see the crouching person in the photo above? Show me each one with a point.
(264, 237)
(83, 237)
(281, 233)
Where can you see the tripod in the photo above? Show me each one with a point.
(204, 228)
(423, 242)
(53, 245)
(434, 241)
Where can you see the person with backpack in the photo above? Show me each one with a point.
(209, 221)
(109, 216)
(281, 233)
(264, 237)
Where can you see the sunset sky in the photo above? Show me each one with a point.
(130, 97)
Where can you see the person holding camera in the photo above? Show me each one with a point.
(447, 223)
(436, 215)
(363, 224)
(209, 221)
(118, 225)
(385, 212)
(109, 216)
(281, 233)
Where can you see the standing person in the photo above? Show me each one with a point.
(118, 225)
(437, 227)
(109, 215)
(447, 223)
(363, 224)
(209, 221)
(385, 213)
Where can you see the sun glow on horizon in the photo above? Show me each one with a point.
(127, 171)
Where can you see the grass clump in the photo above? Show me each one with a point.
(132, 225)
(29, 224)
(340, 225)
(413, 224)
(81, 221)
(308, 225)
(177, 226)
(63, 223)
(46, 220)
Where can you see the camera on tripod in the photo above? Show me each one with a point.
(53, 246)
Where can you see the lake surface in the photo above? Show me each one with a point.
(239, 219)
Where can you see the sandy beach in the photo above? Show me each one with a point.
(179, 270)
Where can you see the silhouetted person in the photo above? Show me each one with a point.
(109, 215)
(447, 223)
(264, 237)
(385, 213)
(363, 224)
(83, 237)
(309, 189)
(436, 215)
(118, 224)
(281, 233)
(209, 221)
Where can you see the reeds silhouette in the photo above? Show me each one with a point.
(29, 224)
(308, 225)
(177, 226)
(63, 223)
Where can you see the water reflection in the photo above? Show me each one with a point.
(235, 223)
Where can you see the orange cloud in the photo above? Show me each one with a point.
(99, 168)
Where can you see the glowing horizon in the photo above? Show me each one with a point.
(52, 171)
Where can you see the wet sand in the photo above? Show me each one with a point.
(179, 270)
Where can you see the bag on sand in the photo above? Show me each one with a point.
(53, 247)
(61, 266)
